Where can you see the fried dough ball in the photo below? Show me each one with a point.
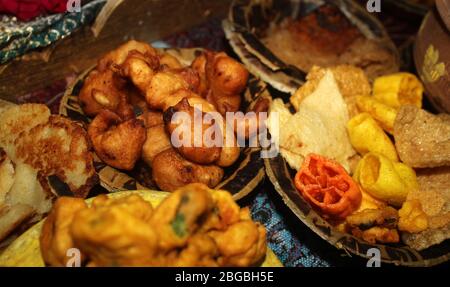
(181, 214)
(55, 239)
(171, 171)
(118, 56)
(139, 68)
(225, 78)
(118, 144)
(161, 86)
(105, 90)
(151, 118)
(117, 233)
(180, 122)
(241, 244)
(168, 61)
(157, 141)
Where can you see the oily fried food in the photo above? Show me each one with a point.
(194, 226)
(180, 215)
(119, 55)
(222, 80)
(139, 68)
(374, 225)
(171, 171)
(118, 143)
(181, 123)
(105, 90)
(112, 235)
(422, 139)
(157, 141)
(55, 239)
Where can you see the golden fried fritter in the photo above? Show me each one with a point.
(171, 171)
(156, 142)
(118, 144)
(377, 234)
(113, 235)
(118, 56)
(139, 68)
(200, 251)
(105, 90)
(222, 79)
(168, 61)
(241, 244)
(180, 121)
(55, 239)
(181, 214)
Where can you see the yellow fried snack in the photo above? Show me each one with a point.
(412, 217)
(55, 237)
(398, 89)
(383, 114)
(384, 179)
(367, 136)
(116, 233)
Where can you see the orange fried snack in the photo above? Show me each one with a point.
(327, 186)
(55, 239)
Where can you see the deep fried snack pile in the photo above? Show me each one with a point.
(41, 157)
(194, 226)
(137, 77)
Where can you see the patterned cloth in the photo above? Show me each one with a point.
(18, 38)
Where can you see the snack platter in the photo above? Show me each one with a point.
(154, 154)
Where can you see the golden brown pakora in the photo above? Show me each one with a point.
(118, 143)
(171, 171)
(55, 239)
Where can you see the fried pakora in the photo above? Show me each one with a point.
(105, 90)
(126, 231)
(157, 141)
(171, 171)
(118, 143)
(55, 238)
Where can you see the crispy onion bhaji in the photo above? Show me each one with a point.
(194, 226)
(171, 171)
(118, 143)
(55, 237)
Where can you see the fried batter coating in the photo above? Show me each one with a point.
(168, 61)
(105, 90)
(377, 234)
(180, 122)
(114, 235)
(171, 171)
(181, 214)
(55, 239)
(118, 56)
(374, 225)
(118, 144)
(226, 212)
(162, 86)
(386, 217)
(157, 141)
(139, 68)
(201, 251)
(241, 244)
(225, 77)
